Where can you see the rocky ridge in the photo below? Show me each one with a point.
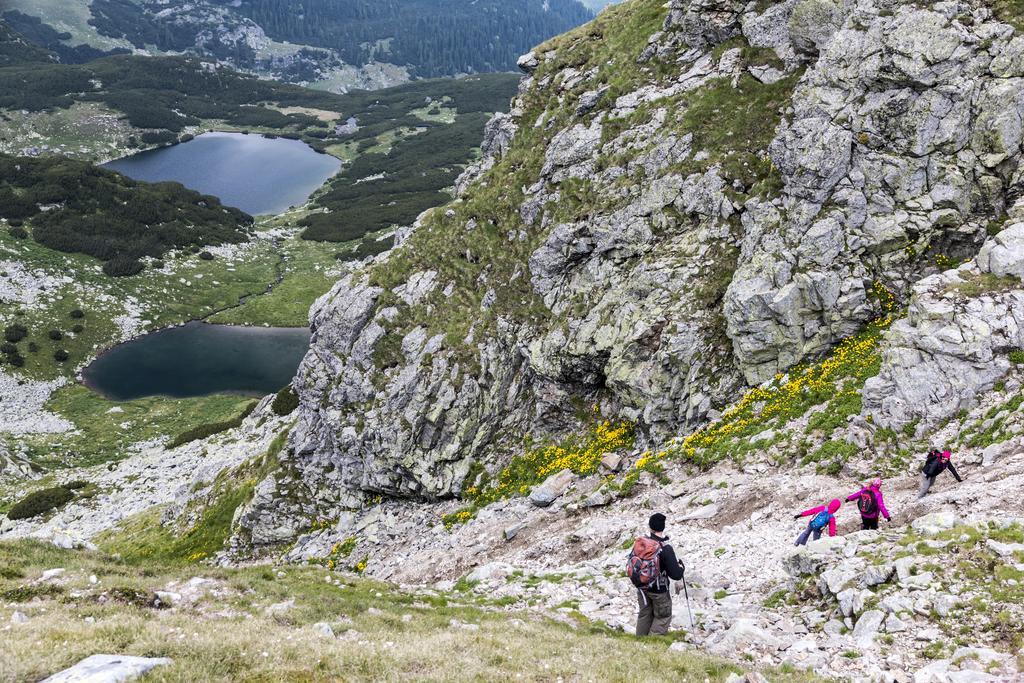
(612, 248)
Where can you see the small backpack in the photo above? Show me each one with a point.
(867, 503)
(821, 520)
(934, 466)
(643, 564)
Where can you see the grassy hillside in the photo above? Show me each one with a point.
(257, 624)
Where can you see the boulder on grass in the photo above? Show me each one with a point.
(107, 669)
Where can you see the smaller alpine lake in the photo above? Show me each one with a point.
(256, 174)
(199, 359)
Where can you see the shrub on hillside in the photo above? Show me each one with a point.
(60, 355)
(76, 484)
(77, 314)
(122, 266)
(208, 430)
(78, 329)
(39, 502)
(206, 256)
(15, 333)
(16, 359)
(285, 402)
(55, 335)
(18, 233)
(33, 347)
(8, 348)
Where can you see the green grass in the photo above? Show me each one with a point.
(984, 283)
(776, 599)
(836, 412)
(1010, 11)
(102, 435)
(86, 130)
(832, 456)
(207, 430)
(228, 634)
(309, 270)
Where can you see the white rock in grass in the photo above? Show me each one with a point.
(51, 574)
(19, 618)
(455, 623)
(323, 629)
(279, 607)
(934, 523)
(168, 598)
(867, 627)
(1005, 549)
(107, 669)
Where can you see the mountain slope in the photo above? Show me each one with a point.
(724, 259)
(682, 204)
(338, 44)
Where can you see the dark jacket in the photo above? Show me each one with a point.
(935, 465)
(671, 567)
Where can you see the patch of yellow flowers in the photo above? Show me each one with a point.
(583, 458)
(581, 454)
(790, 395)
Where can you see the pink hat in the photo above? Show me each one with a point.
(946, 455)
(877, 482)
(834, 505)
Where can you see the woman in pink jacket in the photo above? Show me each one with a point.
(821, 516)
(870, 504)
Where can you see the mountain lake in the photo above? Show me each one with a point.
(198, 359)
(256, 174)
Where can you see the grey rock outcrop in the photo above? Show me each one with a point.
(954, 342)
(882, 166)
(553, 487)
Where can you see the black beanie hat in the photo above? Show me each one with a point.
(657, 522)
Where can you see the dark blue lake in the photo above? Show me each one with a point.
(199, 359)
(255, 174)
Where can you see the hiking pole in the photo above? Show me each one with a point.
(686, 593)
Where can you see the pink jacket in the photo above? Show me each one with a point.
(878, 497)
(825, 508)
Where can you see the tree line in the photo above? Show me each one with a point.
(73, 206)
(434, 37)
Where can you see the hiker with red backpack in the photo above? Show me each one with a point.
(821, 517)
(935, 464)
(870, 503)
(651, 566)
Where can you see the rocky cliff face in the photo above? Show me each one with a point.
(683, 202)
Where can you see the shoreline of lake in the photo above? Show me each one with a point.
(288, 347)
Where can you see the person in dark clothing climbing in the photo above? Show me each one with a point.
(652, 566)
(936, 463)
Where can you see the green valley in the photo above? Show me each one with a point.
(89, 258)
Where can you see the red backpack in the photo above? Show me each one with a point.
(643, 564)
(867, 503)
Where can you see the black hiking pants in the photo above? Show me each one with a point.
(655, 615)
(869, 522)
